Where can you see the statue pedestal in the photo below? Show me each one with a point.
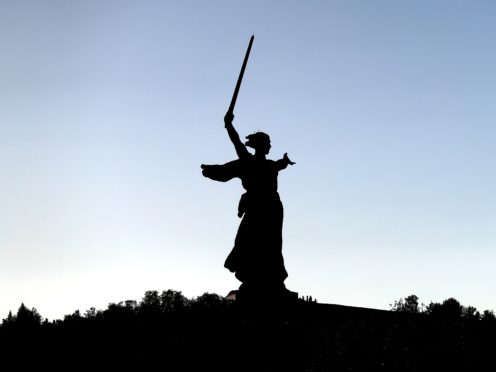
(246, 295)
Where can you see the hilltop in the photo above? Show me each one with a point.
(169, 332)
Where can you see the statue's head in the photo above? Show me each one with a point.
(259, 141)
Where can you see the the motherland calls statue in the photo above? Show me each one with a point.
(256, 258)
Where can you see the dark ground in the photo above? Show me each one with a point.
(225, 336)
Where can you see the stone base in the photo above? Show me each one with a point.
(263, 295)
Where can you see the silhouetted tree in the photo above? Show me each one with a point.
(470, 312)
(75, 315)
(9, 320)
(121, 311)
(208, 301)
(408, 305)
(150, 304)
(151, 299)
(172, 301)
(450, 308)
(131, 305)
(90, 313)
(27, 318)
(74, 318)
(488, 316)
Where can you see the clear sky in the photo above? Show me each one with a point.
(108, 108)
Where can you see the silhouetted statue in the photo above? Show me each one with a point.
(256, 258)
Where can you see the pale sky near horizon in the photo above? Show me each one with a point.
(108, 108)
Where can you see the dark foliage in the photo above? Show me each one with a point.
(448, 309)
(408, 305)
(25, 319)
(167, 331)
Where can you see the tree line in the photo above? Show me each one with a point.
(449, 308)
(153, 303)
(166, 330)
(171, 301)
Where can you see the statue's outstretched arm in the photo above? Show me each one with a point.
(223, 172)
(241, 150)
(284, 162)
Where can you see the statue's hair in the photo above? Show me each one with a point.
(257, 139)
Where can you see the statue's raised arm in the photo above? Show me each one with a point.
(240, 148)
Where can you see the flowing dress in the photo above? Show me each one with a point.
(256, 258)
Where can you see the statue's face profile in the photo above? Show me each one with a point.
(265, 148)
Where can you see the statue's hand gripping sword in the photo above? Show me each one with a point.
(230, 110)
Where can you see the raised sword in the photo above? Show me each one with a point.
(230, 110)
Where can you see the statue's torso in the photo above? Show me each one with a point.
(258, 176)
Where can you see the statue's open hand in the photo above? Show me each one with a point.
(286, 159)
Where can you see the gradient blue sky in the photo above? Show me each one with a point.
(108, 108)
